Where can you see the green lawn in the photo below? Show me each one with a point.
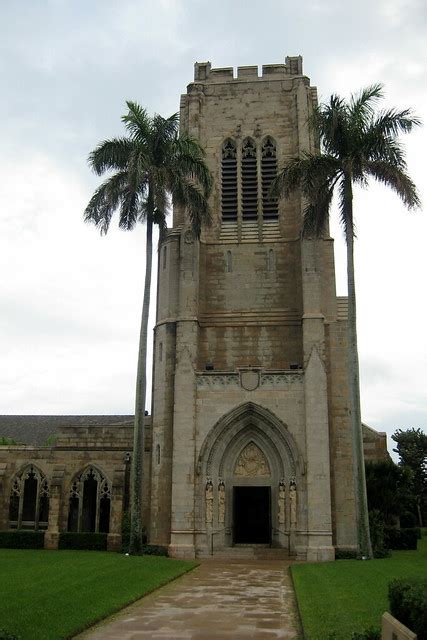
(337, 598)
(54, 594)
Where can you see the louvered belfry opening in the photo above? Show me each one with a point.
(229, 181)
(249, 180)
(268, 173)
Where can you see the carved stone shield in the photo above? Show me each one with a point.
(249, 380)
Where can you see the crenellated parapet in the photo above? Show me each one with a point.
(203, 71)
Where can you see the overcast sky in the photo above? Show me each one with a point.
(70, 300)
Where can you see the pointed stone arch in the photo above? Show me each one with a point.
(89, 501)
(247, 422)
(29, 498)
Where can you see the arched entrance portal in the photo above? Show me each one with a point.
(251, 509)
(246, 466)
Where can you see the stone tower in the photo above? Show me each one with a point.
(251, 436)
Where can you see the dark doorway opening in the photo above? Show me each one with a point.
(251, 515)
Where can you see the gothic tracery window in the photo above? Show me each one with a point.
(249, 180)
(90, 502)
(29, 500)
(248, 169)
(229, 181)
(268, 173)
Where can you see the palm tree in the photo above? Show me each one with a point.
(356, 143)
(152, 167)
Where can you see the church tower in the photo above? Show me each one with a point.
(251, 435)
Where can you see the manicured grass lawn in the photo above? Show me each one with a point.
(337, 598)
(54, 594)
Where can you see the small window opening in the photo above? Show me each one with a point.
(158, 454)
(165, 255)
(270, 260)
(160, 351)
(229, 262)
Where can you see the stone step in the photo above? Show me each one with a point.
(248, 553)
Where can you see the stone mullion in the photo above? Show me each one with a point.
(260, 212)
(97, 505)
(21, 501)
(37, 511)
(80, 510)
(239, 189)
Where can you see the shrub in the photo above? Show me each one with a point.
(345, 554)
(408, 604)
(401, 539)
(154, 550)
(376, 528)
(369, 634)
(7, 442)
(4, 635)
(408, 520)
(88, 541)
(19, 539)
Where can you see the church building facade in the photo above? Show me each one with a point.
(250, 404)
(249, 441)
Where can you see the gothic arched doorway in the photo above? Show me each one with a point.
(246, 466)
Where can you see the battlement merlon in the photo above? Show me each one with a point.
(203, 71)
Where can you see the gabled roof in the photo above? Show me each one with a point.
(35, 430)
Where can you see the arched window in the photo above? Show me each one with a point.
(90, 501)
(268, 173)
(249, 180)
(229, 181)
(29, 500)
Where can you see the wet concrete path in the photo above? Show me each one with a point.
(219, 599)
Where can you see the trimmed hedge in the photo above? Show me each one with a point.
(408, 604)
(345, 554)
(154, 550)
(19, 539)
(401, 539)
(83, 541)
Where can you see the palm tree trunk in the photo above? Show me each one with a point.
(141, 387)
(363, 535)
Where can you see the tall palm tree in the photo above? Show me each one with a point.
(151, 167)
(356, 143)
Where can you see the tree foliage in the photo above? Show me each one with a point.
(149, 168)
(389, 489)
(411, 446)
(355, 142)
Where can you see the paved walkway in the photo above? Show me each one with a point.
(219, 599)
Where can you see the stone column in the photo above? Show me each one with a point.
(184, 423)
(114, 538)
(4, 515)
(51, 536)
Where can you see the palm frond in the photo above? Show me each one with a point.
(129, 210)
(189, 195)
(316, 212)
(189, 160)
(345, 204)
(306, 173)
(110, 155)
(362, 105)
(105, 201)
(397, 180)
(137, 121)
